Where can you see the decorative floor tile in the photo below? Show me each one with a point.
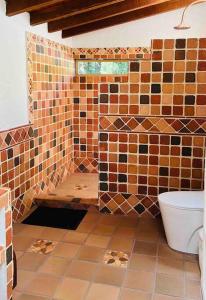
(80, 187)
(42, 246)
(116, 258)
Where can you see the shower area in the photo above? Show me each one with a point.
(78, 185)
(91, 94)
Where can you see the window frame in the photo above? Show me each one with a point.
(101, 60)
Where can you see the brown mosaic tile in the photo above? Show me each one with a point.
(178, 115)
(152, 124)
(15, 136)
(32, 159)
(133, 182)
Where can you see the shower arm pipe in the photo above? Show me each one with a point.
(186, 9)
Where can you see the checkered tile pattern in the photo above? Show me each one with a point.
(135, 168)
(152, 128)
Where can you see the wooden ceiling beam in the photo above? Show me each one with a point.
(127, 17)
(100, 14)
(70, 8)
(14, 7)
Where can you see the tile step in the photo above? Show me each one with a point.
(72, 203)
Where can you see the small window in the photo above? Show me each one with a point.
(86, 67)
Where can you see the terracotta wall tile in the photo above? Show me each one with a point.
(37, 157)
(164, 123)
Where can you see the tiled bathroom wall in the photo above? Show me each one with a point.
(151, 123)
(86, 103)
(85, 124)
(144, 133)
(153, 127)
(37, 157)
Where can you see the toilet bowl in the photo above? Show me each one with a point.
(182, 214)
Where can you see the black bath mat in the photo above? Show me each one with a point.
(56, 217)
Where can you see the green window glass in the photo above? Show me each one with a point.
(85, 67)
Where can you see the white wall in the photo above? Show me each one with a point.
(204, 247)
(13, 77)
(204, 263)
(140, 32)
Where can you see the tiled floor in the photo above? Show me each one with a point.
(75, 268)
(77, 186)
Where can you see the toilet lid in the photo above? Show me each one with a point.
(184, 200)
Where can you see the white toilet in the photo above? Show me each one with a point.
(182, 214)
(201, 251)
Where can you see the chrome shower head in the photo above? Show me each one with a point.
(182, 25)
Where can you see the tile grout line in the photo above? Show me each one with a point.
(127, 270)
(155, 273)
